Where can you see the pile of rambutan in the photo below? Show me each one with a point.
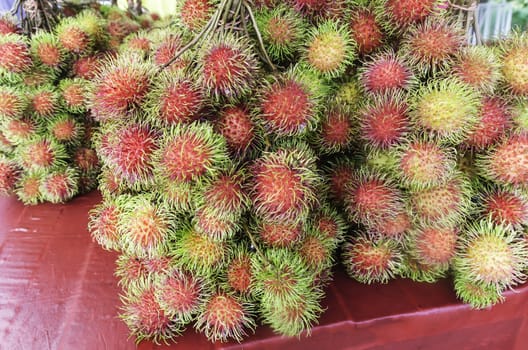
(240, 146)
(47, 154)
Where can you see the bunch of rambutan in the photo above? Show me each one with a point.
(46, 127)
(237, 151)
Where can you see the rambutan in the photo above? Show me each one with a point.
(336, 131)
(104, 225)
(199, 253)
(394, 227)
(283, 31)
(41, 153)
(478, 66)
(491, 254)
(402, 13)
(75, 94)
(446, 109)
(384, 122)
(316, 251)
(504, 206)
(279, 235)
(329, 224)
(311, 8)
(220, 227)
(386, 73)
(38, 76)
(110, 184)
(366, 29)
(447, 203)
(290, 103)
(495, 118)
(224, 317)
(164, 50)
(6, 146)
(339, 175)
(9, 174)
(519, 113)
(86, 67)
(72, 36)
(132, 154)
(64, 128)
(16, 57)
(417, 271)
(180, 294)
(194, 14)
(370, 198)
(348, 94)
(477, 294)
(284, 184)
(145, 227)
(133, 271)
(28, 187)
(225, 193)
(239, 274)
(179, 196)
(433, 245)
(60, 186)
(44, 101)
(190, 152)
(423, 163)
(506, 162)
(432, 45)
(12, 102)
(8, 24)
(145, 318)
(329, 49)
(86, 159)
(370, 259)
(239, 129)
(514, 65)
(227, 68)
(120, 87)
(47, 50)
(138, 43)
(19, 131)
(173, 99)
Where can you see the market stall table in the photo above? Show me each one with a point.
(58, 291)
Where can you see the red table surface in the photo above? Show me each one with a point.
(57, 291)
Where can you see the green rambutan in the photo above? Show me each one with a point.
(491, 254)
(44, 101)
(225, 316)
(8, 24)
(199, 253)
(448, 203)
(60, 185)
(336, 131)
(15, 58)
(519, 113)
(219, 226)
(173, 99)
(145, 227)
(75, 94)
(18, 131)
(348, 94)
(65, 128)
(402, 13)
(190, 152)
(28, 187)
(506, 162)
(495, 119)
(145, 318)
(6, 146)
(330, 49)
(73, 37)
(423, 163)
(316, 251)
(227, 68)
(281, 277)
(477, 294)
(283, 31)
(370, 259)
(41, 153)
(384, 122)
(433, 245)
(120, 87)
(514, 65)
(110, 184)
(432, 45)
(382, 161)
(194, 14)
(104, 225)
(47, 50)
(386, 73)
(9, 175)
(446, 109)
(239, 273)
(284, 184)
(93, 24)
(478, 66)
(179, 196)
(329, 224)
(239, 128)
(290, 102)
(371, 198)
(504, 206)
(13, 102)
(132, 153)
(366, 29)
(180, 294)
(280, 235)
(417, 271)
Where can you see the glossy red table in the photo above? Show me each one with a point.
(57, 291)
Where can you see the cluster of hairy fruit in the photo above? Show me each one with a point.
(228, 185)
(46, 149)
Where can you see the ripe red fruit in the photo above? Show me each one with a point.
(405, 12)
(9, 174)
(494, 119)
(237, 127)
(386, 73)
(505, 207)
(366, 30)
(15, 56)
(280, 235)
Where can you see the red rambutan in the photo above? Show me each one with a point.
(18, 131)
(86, 67)
(65, 129)
(402, 13)
(60, 186)
(280, 235)
(505, 206)
(41, 153)
(386, 73)
(74, 94)
(104, 225)
(9, 174)
(44, 101)
(478, 66)
(238, 128)
(12, 102)
(28, 187)
(8, 25)
(366, 30)
(434, 245)
(239, 273)
(336, 131)
(495, 119)
(72, 37)
(15, 56)
(339, 177)
(194, 14)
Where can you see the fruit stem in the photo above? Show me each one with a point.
(259, 36)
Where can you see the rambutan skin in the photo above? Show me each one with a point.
(495, 119)
(366, 30)
(16, 56)
(60, 186)
(9, 174)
